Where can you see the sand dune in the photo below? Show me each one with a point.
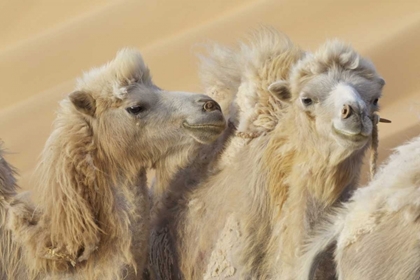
(45, 46)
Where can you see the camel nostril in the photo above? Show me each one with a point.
(210, 106)
(346, 111)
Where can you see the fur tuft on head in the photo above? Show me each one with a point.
(338, 54)
(129, 66)
(116, 77)
(333, 56)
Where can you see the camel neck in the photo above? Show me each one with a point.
(302, 187)
(195, 162)
(168, 167)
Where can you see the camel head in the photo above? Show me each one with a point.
(91, 177)
(132, 118)
(335, 94)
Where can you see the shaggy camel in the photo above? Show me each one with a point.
(376, 232)
(92, 215)
(303, 123)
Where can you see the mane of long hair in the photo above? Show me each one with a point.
(76, 214)
(8, 189)
(77, 192)
(88, 199)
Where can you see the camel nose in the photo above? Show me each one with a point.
(346, 111)
(210, 106)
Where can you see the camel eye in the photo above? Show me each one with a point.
(375, 102)
(135, 110)
(306, 101)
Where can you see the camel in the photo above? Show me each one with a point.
(300, 124)
(90, 218)
(375, 232)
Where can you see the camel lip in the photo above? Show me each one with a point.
(355, 137)
(220, 126)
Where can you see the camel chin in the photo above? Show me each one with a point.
(351, 140)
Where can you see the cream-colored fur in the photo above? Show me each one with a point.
(267, 193)
(91, 219)
(376, 232)
(7, 192)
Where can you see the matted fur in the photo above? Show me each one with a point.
(272, 189)
(7, 192)
(376, 231)
(7, 178)
(92, 215)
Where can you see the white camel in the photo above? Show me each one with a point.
(91, 217)
(300, 124)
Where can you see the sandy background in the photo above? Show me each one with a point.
(46, 44)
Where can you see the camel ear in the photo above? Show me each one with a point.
(280, 89)
(83, 102)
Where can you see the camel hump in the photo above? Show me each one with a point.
(220, 75)
(239, 77)
(267, 57)
(269, 54)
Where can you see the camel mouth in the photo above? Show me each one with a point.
(353, 137)
(208, 126)
(205, 132)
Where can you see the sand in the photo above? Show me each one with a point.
(46, 44)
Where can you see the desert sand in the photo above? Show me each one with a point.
(46, 44)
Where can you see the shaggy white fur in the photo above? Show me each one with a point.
(376, 231)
